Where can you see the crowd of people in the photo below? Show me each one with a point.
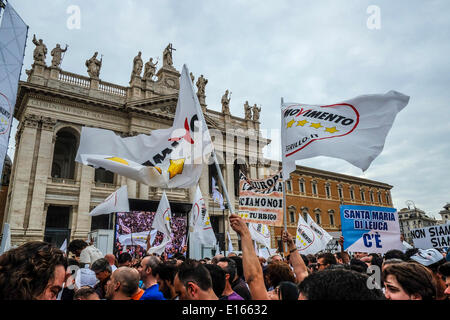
(135, 222)
(39, 271)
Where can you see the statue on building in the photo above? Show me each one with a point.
(57, 55)
(150, 69)
(94, 65)
(167, 56)
(201, 84)
(137, 66)
(192, 77)
(40, 51)
(226, 103)
(248, 111)
(256, 112)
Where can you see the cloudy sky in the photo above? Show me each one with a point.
(314, 52)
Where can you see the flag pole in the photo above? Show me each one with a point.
(219, 173)
(284, 184)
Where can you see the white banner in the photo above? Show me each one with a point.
(161, 222)
(167, 158)
(354, 130)
(307, 241)
(116, 202)
(13, 36)
(139, 238)
(324, 236)
(201, 229)
(260, 233)
(432, 237)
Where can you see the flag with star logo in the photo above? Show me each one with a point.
(161, 222)
(324, 236)
(13, 37)
(167, 158)
(260, 233)
(354, 130)
(116, 202)
(306, 239)
(200, 225)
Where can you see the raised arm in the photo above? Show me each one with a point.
(300, 270)
(252, 268)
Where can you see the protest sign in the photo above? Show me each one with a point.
(370, 229)
(306, 239)
(261, 201)
(432, 237)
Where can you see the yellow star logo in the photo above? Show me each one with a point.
(246, 215)
(290, 123)
(176, 167)
(302, 123)
(167, 218)
(331, 130)
(316, 125)
(119, 160)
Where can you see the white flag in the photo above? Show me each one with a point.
(116, 202)
(217, 196)
(354, 130)
(13, 36)
(139, 238)
(64, 246)
(324, 236)
(260, 233)
(6, 239)
(307, 241)
(167, 158)
(161, 222)
(230, 243)
(200, 222)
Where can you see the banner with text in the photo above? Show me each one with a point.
(261, 201)
(370, 229)
(432, 237)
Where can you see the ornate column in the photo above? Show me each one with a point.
(143, 191)
(131, 186)
(81, 221)
(43, 165)
(27, 132)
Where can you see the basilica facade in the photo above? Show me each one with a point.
(50, 195)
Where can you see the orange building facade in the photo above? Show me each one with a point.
(319, 193)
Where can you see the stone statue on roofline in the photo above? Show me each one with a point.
(94, 65)
(39, 52)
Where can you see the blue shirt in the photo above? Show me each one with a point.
(153, 293)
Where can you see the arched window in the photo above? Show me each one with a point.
(331, 213)
(66, 146)
(305, 213)
(340, 191)
(292, 214)
(363, 195)
(352, 193)
(328, 190)
(371, 196)
(301, 185)
(314, 187)
(317, 212)
(288, 186)
(379, 197)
